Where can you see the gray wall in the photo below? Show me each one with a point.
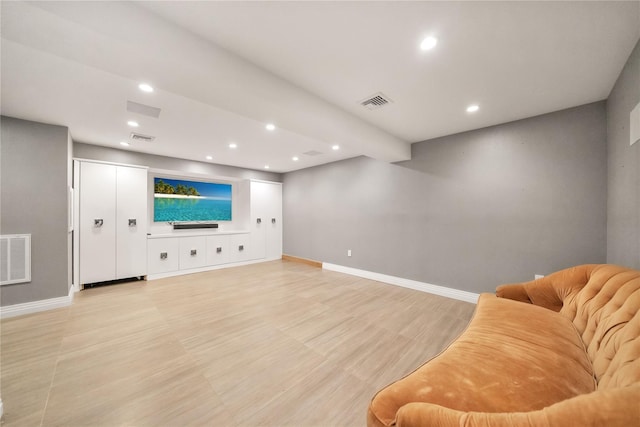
(469, 211)
(623, 207)
(34, 162)
(95, 152)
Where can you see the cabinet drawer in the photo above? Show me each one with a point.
(218, 250)
(193, 252)
(162, 255)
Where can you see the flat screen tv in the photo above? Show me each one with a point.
(178, 200)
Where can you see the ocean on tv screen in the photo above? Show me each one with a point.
(167, 209)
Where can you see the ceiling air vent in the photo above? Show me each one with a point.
(375, 101)
(145, 110)
(312, 153)
(140, 137)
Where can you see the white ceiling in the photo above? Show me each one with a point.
(222, 70)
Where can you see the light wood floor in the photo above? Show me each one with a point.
(271, 344)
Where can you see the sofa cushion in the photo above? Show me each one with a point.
(607, 316)
(603, 302)
(513, 357)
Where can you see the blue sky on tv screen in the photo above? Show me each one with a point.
(206, 189)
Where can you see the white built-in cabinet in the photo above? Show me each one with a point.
(113, 238)
(112, 221)
(259, 239)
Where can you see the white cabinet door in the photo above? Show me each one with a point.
(218, 250)
(259, 218)
(97, 222)
(193, 252)
(274, 223)
(111, 246)
(240, 247)
(131, 217)
(163, 255)
(266, 220)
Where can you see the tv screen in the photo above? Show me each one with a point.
(177, 200)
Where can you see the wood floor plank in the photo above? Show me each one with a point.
(271, 344)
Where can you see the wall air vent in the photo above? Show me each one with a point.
(375, 101)
(140, 137)
(15, 258)
(312, 153)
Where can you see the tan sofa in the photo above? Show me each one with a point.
(559, 351)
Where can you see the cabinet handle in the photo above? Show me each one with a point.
(194, 252)
(259, 221)
(132, 222)
(218, 250)
(164, 255)
(273, 220)
(241, 248)
(98, 222)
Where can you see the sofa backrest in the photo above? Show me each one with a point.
(606, 313)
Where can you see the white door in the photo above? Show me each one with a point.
(131, 229)
(97, 222)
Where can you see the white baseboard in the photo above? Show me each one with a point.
(405, 283)
(36, 306)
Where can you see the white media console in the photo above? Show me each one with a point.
(168, 255)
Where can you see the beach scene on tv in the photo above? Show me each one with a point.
(178, 200)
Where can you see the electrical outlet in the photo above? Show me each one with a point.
(348, 252)
(538, 276)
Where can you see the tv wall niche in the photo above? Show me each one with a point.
(181, 200)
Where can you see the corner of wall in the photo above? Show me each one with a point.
(623, 168)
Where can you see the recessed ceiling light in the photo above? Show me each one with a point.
(209, 158)
(124, 143)
(473, 108)
(270, 126)
(295, 158)
(266, 166)
(428, 43)
(133, 124)
(233, 145)
(335, 147)
(145, 87)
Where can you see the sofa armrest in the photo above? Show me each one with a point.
(612, 408)
(549, 291)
